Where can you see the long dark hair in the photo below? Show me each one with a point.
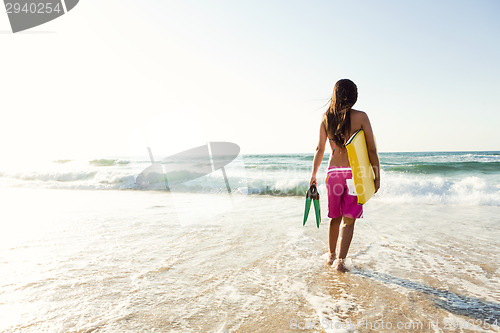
(338, 115)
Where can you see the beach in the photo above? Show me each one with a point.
(82, 249)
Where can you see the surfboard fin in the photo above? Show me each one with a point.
(312, 195)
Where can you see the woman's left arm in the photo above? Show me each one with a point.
(320, 151)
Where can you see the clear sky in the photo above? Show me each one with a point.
(113, 76)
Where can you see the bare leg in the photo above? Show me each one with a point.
(345, 241)
(333, 234)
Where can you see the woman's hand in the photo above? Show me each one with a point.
(313, 181)
(377, 184)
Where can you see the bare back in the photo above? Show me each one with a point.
(339, 154)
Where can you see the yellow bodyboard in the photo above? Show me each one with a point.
(362, 172)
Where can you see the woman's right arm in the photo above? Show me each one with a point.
(372, 149)
(320, 151)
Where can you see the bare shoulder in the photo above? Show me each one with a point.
(323, 117)
(357, 114)
(324, 120)
(359, 119)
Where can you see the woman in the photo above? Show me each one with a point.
(338, 124)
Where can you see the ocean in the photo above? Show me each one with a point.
(84, 247)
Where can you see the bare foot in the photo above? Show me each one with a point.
(339, 265)
(329, 257)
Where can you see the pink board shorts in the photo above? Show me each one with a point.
(342, 198)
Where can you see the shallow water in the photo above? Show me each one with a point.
(111, 261)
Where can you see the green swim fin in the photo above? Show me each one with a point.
(317, 210)
(312, 195)
(306, 212)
